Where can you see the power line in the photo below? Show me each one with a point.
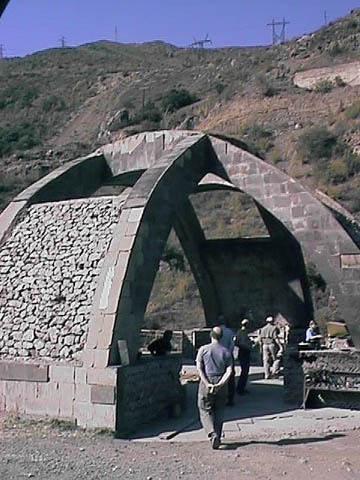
(278, 37)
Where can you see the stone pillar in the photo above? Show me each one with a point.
(293, 373)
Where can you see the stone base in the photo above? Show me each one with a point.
(148, 390)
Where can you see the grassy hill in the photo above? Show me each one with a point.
(58, 104)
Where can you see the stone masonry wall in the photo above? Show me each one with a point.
(147, 390)
(49, 267)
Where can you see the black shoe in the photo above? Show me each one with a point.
(215, 441)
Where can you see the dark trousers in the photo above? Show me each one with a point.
(244, 362)
(231, 384)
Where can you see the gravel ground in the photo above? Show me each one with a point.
(54, 450)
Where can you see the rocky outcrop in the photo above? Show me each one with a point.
(349, 73)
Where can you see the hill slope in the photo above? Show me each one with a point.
(62, 103)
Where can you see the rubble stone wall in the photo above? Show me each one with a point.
(49, 268)
(147, 390)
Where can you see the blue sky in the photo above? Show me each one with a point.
(28, 26)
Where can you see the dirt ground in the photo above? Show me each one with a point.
(56, 450)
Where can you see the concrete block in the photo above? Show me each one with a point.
(101, 358)
(135, 214)
(80, 375)
(103, 416)
(67, 398)
(2, 396)
(9, 215)
(281, 201)
(14, 393)
(103, 394)
(62, 373)
(83, 413)
(24, 372)
(102, 376)
(82, 393)
(106, 287)
(106, 335)
(125, 243)
(89, 357)
(47, 399)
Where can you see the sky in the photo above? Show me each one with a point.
(28, 26)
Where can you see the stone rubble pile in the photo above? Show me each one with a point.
(49, 268)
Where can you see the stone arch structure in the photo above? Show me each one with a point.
(87, 382)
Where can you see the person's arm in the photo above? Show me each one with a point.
(202, 375)
(224, 379)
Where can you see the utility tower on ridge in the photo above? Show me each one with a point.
(201, 43)
(1, 50)
(278, 38)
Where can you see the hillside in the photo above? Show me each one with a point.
(62, 103)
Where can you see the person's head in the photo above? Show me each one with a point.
(244, 323)
(168, 334)
(312, 325)
(269, 319)
(216, 333)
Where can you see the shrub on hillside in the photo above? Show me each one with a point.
(175, 99)
(18, 137)
(173, 257)
(266, 87)
(317, 142)
(219, 87)
(259, 139)
(353, 111)
(324, 86)
(353, 162)
(151, 112)
(53, 103)
(337, 172)
(24, 96)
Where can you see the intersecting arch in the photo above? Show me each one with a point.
(159, 201)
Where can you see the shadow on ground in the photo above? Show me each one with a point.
(265, 399)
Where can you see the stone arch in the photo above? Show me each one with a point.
(167, 167)
(323, 240)
(293, 216)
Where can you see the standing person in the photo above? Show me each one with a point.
(227, 341)
(269, 344)
(245, 345)
(214, 365)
